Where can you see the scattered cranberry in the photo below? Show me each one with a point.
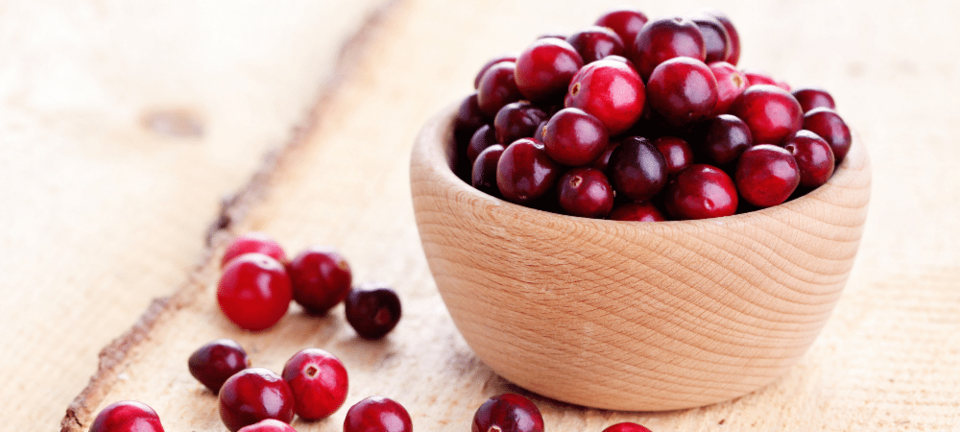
(573, 137)
(725, 138)
(730, 84)
(700, 192)
(254, 291)
(318, 381)
(663, 39)
(508, 413)
(127, 416)
(485, 136)
(637, 212)
(767, 175)
(637, 169)
(828, 125)
(377, 414)
(814, 157)
(525, 172)
(715, 38)
(216, 361)
(500, 58)
(268, 425)
(484, 175)
(626, 427)
(609, 90)
(544, 69)
(585, 192)
(810, 98)
(771, 113)
(683, 90)
(253, 242)
(372, 309)
(517, 120)
(676, 152)
(497, 88)
(252, 395)
(320, 277)
(595, 42)
(627, 23)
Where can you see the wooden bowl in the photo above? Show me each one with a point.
(637, 316)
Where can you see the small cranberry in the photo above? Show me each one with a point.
(213, 363)
(377, 414)
(525, 172)
(637, 212)
(725, 138)
(517, 120)
(626, 427)
(253, 242)
(497, 88)
(663, 39)
(318, 381)
(573, 137)
(611, 91)
(699, 192)
(254, 291)
(508, 413)
(320, 277)
(828, 124)
(811, 97)
(814, 157)
(500, 58)
(585, 192)
(252, 395)
(732, 35)
(372, 309)
(484, 175)
(268, 425)
(544, 69)
(627, 23)
(127, 416)
(676, 152)
(730, 84)
(771, 113)
(637, 169)
(715, 38)
(683, 90)
(766, 175)
(469, 118)
(595, 42)
(484, 137)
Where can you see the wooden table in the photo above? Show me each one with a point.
(125, 125)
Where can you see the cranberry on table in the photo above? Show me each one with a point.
(585, 192)
(372, 309)
(610, 90)
(676, 152)
(127, 416)
(637, 212)
(500, 58)
(771, 112)
(318, 381)
(814, 157)
(213, 363)
(253, 242)
(626, 427)
(525, 172)
(715, 38)
(497, 88)
(268, 425)
(725, 138)
(699, 192)
(663, 39)
(730, 84)
(767, 175)
(508, 413)
(573, 137)
(594, 43)
(254, 291)
(320, 277)
(637, 169)
(627, 23)
(544, 69)
(828, 125)
(252, 395)
(732, 35)
(517, 120)
(484, 174)
(683, 90)
(812, 97)
(377, 414)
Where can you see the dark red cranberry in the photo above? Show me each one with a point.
(525, 171)
(603, 161)
(700, 192)
(268, 425)
(828, 124)
(216, 361)
(254, 291)
(715, 38)
(318, 381)
(372, 309)
(683, 90)
(127, 416)
(585, 192)
(253, 242)
(664, 39)
(484, 176)
(812, 97)
(637, 212)
(771, 113)
(544, 69)
(767, 175)
(637, 169)
(725, 138)
(626, 427)
(252, 395)
(511, 57)
(484, 137)
(538, 135)
(814, 157)
(732, 35)
(627, 23)
(517, 120)
(676, 152)
(469, 118)
(595, 42)
(609, 90)
(377, 414)
(320, 277)
(507, 413)
(573, 137)
(730, 84)
(497, 88)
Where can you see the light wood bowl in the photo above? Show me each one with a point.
(637, 316)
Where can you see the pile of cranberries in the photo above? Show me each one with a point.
(644, 120)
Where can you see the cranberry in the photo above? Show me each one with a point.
(372, 309)
(216, 361)
(683, 90)
(699, 192)
(517, 120)
(318, 381)
(127, 416)
(676, 152)
(469, 118)
(595, 42)
(252, 395)
(484, 176)
(497, 88)
(771, 113)
(544, 69)
(484, 137)
(254, 291)
(609, 90)
(664, 39)
(525, 172)
(585, 192)
(377, 414)
(507, 413)
(268, 425)
(603, 161)
(828, 124)
(500, 58)
(637, 212)
(730, 84)
(253, 242)
(627, 23)
(626, 427)
(725, 138)
(757, 77)
(732, 35)
(320, 277)
(812, 97)
(814, 157)
(715, 38)
(637, 169)
(767, 175)
(573, 137)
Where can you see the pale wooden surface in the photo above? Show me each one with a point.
(88, 240)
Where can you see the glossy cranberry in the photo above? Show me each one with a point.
(544, 69)
(626, 427)
(254, 291)
(320, 277)
(814, 157)
(664, 39)
(318, 381)
(595, 42)
(627, 23)
(683, 90)
(484, 175)
(699, 192)
(372, 309)
(517, 120)
(585, 192)
(497, 88)
(732, 36)
(676, 152)
(469, 118)
(609, 90)
(252, 395)
(525, 171)
(484, 137)
(268, 425)
(377, 414)
(507, 413)
(725, 138)
(758, 77)
(715, 38)
(511, 57)
(216, 361)
(127, 416)
(573, 137)
(771, 113)
(828, 124)
(637, 169)
(766, 175)
(253, 242)
(730, 84)
(813, 97)
(637, 212)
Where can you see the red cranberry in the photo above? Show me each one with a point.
(500, 58)
(268, 425)
(585, 192)
(497, 88)
(609, 90)
(573, 137)
(603, 161)
(758, 77)
(771, 113)
(320, 277)
(676, 152)
(814, 157)
(637, 212)
(627, 23)
(725, 138)
(730, 84)
(828, 124)
(127, 416)
(525, 171)
(377, 414)
(318, 381)
(626, 427)
(637, 169)
(507, 413)
(732, 35)
(683, 90)
(544, 69)
(595, 42)
(664, 39)
(254, 291)
(484, 137)
(484, 176)
(700, 192)
(372, 309)
(767, 175)
(252, 395)
(517, 120)
(469, 119)
(216, 361)
(253, 242)
(715, 38)
(811, 97)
